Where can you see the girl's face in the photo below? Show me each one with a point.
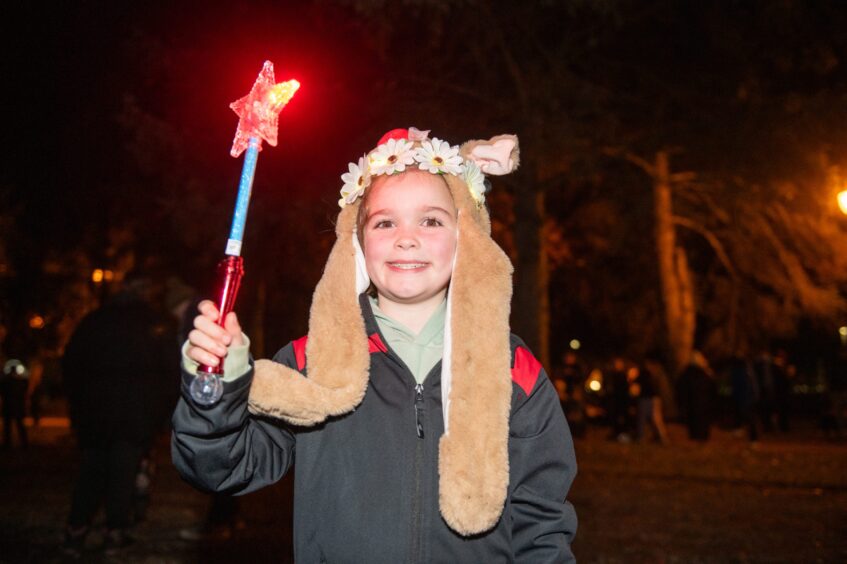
(410, 237)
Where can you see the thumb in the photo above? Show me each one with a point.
(233, 328)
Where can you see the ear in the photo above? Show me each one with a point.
(498, 156)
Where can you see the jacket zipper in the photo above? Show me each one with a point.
(417, 530)
(419, 410)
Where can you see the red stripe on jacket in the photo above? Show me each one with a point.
(375, 344)
(300, 352)
(526, 370)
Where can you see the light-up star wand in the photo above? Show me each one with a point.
(258, 114)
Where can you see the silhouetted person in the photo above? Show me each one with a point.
(697, 390)
(649, 405)
(14, 382)
(782, 376)
(619, 400)
(763, 367)
(117, 370)
(745, 395)
(572, 376)
(834, 405)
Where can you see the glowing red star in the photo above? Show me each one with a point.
(259, 110)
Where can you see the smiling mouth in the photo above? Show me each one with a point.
(408, 265)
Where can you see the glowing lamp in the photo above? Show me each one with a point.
(36, 322)
(97, 275)
(258, 119)
(842, 201)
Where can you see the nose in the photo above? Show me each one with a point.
(406, 240)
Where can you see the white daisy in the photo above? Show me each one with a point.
(355, 182)
(438, 156)
(475, 180)
(390, 157)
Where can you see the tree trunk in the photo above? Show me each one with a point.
(674, 276)
(688, 310)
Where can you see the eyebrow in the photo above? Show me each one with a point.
(387, 211)
(437, 208)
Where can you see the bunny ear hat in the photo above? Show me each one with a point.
(476, 379)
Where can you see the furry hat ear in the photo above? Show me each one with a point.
(473, 460)
(498, 156)
(337, 347)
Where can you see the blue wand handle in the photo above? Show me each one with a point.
(245, 187)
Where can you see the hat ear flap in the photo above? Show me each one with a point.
(337, 354)
(473, 455)
(498, 156)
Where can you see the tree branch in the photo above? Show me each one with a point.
(641, 163)
(713, 241)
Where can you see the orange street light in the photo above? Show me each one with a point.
(842, 201)
(36, 322)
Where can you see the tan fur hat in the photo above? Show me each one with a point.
(476, 378)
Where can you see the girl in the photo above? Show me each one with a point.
(423, 430)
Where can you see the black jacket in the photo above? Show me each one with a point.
(116, 370)
(366, 486)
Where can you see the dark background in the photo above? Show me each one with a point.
(117, 133)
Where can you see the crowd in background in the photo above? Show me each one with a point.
(635, 398)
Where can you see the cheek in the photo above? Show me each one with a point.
(444, 246)
(374, 246)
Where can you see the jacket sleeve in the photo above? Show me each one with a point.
(542, 466)
(224, 448)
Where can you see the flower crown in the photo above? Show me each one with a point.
(408, 148)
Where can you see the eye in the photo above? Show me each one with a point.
(382, 224)
(431, 222)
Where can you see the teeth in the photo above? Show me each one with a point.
(408, 266)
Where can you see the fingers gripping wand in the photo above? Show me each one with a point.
(258, 114)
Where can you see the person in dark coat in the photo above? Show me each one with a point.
(619, 400)
(782, 376)
(763, 368)
(649, 405)
(834, 405)
(745, 395)
(697, 391)
(117, 370)
(14, 382)
(572, 377)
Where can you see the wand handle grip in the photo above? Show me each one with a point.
(230, 271)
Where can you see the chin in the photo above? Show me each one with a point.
(410, 296)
